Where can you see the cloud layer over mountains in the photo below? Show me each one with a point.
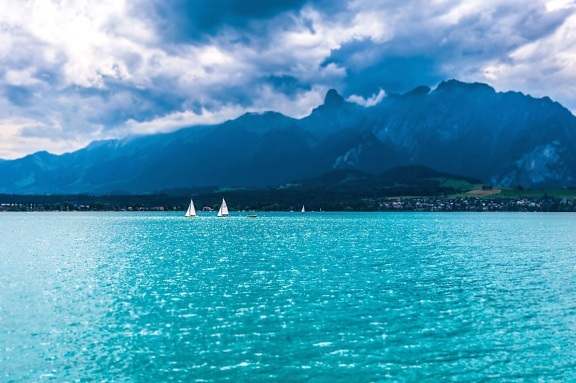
(76, 71)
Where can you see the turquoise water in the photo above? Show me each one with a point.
(320, 297)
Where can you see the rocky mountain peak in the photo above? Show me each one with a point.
(333, 98)
(455, 85)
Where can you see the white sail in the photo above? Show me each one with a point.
(223, 212)
(191, 212)
(303, 210)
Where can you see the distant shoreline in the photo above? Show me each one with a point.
(313, 201)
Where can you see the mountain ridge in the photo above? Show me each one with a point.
(502, 138)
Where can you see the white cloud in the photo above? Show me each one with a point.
(297, 106)
(15, 144)
(553, 5)
(178, 120)
(541, 68)
(368, 102)
(21, 78)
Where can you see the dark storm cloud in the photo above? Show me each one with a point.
(189, 20)
(288, 85)
(371, 67)
(125, 102)
(18, 95)
(427, 49)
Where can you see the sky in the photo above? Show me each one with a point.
(76, 71)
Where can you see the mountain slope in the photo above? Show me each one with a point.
(506, 138)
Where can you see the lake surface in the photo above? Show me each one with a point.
(315, 297)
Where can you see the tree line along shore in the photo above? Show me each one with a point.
(312, 201)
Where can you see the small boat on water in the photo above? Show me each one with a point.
(191, 212)
(303, 210)
(223, 211)
(251, 216)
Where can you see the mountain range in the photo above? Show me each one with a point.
(500, 138)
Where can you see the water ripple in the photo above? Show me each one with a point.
(288, 297)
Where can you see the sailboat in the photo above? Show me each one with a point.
(303, 210)
(191, 212)
(223, 212)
